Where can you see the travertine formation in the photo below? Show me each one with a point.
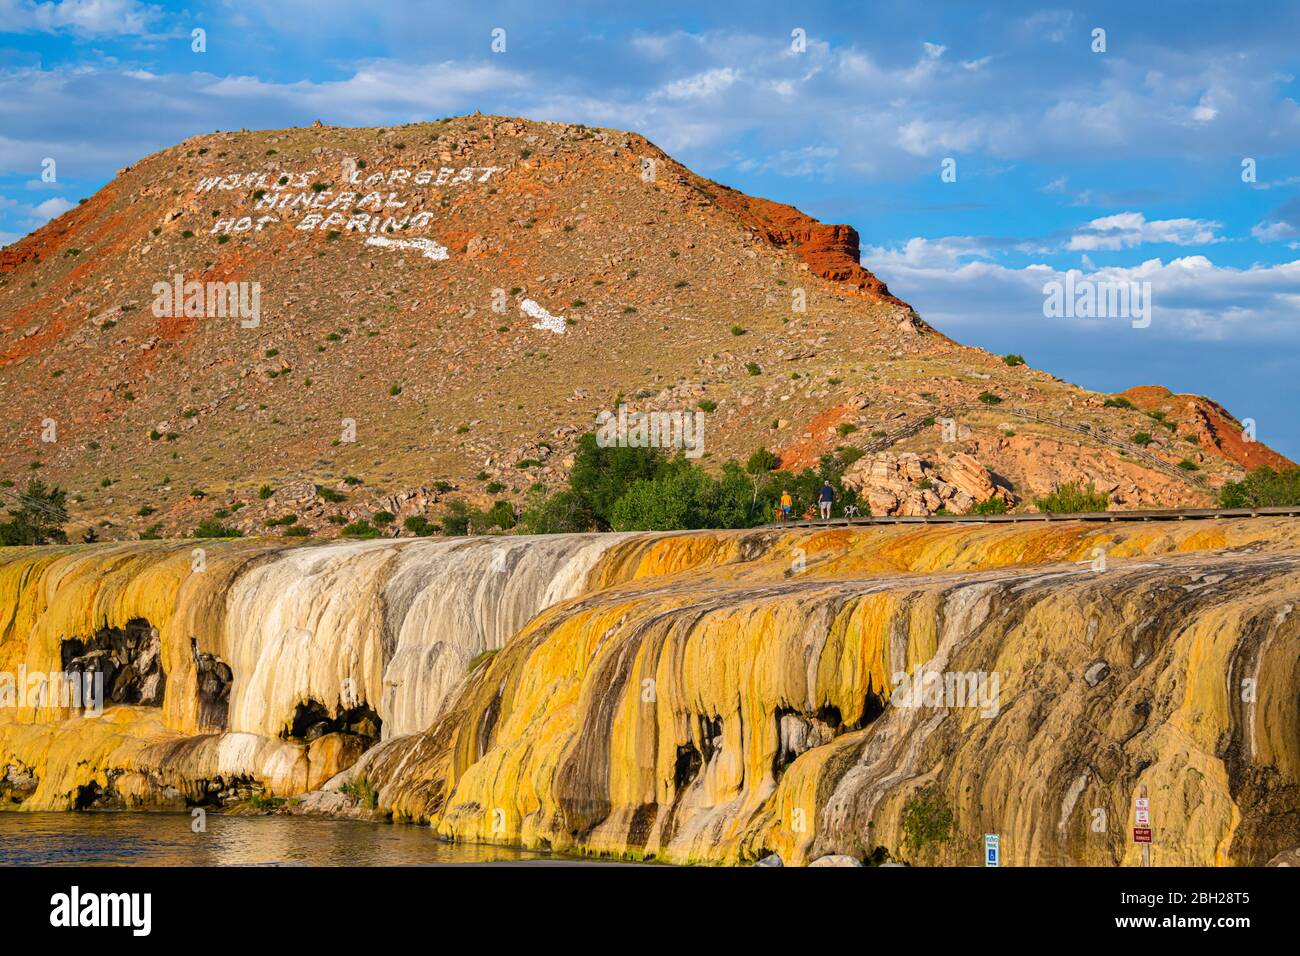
(695, 697)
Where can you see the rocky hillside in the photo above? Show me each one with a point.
(439, 309)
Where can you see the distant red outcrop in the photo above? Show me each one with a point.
(1209, 423)
(831, 251)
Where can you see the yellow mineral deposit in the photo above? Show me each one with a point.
(707, 697)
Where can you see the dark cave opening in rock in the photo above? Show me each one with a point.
(872, 708)
(878, 857)
(17, 783)
(488, 724)
(129, 659)
(688, 765)
(220, 792)
(311, 720)
(710, 736)
(91, 796)
(829, 715)
(213, 678)
(798, 732)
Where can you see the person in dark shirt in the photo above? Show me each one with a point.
(826, 499)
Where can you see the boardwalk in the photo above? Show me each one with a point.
(1165, 514)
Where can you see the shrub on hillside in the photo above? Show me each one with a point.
(420, 525)
(927, 818)
(560, 513)
(359, 529)
(212, 528)
(1073, 498)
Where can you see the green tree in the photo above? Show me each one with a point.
(600, 476)
(456, 518)
(642, 489)
(1263, 488)
(762, 461)
(39, 517)
(679, 499)
(500, 515)
(563, 512)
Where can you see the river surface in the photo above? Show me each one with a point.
(166, 839)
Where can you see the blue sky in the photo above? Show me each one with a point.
(1124, 164)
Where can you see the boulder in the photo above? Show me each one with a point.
(1289, 857)
(968, 476)
(906, 485)
(836, 859)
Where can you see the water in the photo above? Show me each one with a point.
(165, 839)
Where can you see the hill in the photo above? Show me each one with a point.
(440, 310)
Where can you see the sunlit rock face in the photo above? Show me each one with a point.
(394, 624)
(259, 642)
(699, 696)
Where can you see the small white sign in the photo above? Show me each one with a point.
(992, 849)
(1144, 818)
(1142, 803)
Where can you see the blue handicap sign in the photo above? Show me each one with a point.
(992, 849)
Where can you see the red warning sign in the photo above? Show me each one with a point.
(1141, 834)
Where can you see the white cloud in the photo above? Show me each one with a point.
(702, 85)
(1203, 112)
(1127, 229)
(87, 18)
(1282, 183)
(661, 46)
(55, 206)
(952, 284)
(1049, 24)
(889, 118)
(422, 90)
(806, 161)
(95, 121)
(1274, 231)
